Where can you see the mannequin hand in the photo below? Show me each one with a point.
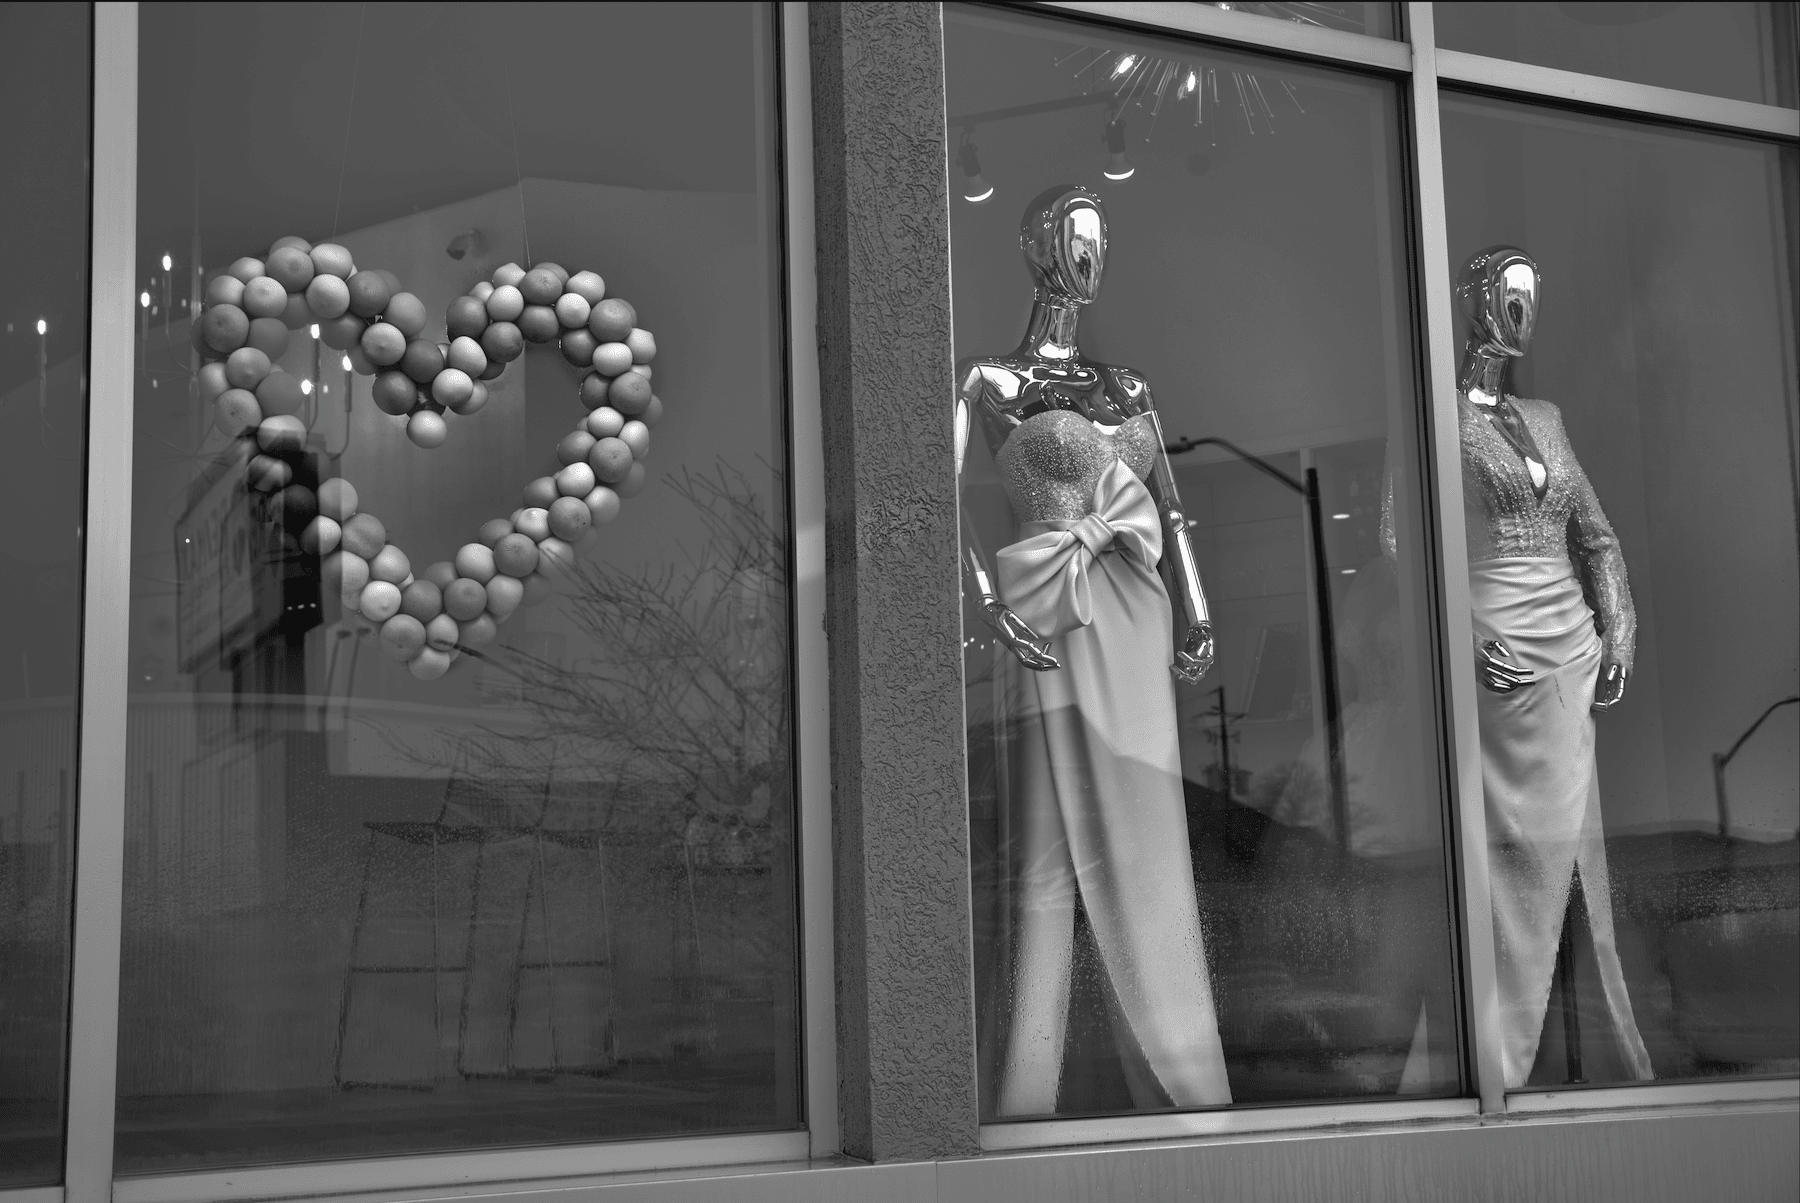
(1496, 667)
(1609, 690)
(1195, 655)
(1023, 642)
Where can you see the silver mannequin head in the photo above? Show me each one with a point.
(1064, 240)
(1500, 290)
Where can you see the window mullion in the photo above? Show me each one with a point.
(100, 810)
(1470, 829)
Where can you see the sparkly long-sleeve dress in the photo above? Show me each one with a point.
(1529, 557)
(1095, 795)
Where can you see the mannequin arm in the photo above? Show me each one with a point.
(1194, 648)
(1596, 553)
(1012, 631)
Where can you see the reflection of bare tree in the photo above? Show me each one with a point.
(684, 684)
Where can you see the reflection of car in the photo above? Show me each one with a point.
(1709, 931)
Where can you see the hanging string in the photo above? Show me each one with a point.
(518, 171)
(344, 158)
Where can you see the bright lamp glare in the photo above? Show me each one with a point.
(1123, 65)
(346, 363)
(168, 263)
(315, 329)
(1122, 175)
(978, 197)
(43, 327)
(144, 299)
(306, 387)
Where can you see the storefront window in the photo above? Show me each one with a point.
(1208, 869)
(44, 94)
(1739, 51)
(1632, 292)
(459, 804)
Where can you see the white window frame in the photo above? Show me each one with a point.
(100, 815)
(1420, 66)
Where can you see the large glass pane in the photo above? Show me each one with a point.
(44, 102)
(1631, 292)
(504, 855)
(1741, 51)
(1227, 890)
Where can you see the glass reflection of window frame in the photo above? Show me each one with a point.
(1414, 59)
(93, 1055)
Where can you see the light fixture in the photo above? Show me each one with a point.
(168, 263)
(314, 329)
(306, 387)
(463, 243)
(975, 189)
(1118, 167)
(1347, 571)
(1340, 517)
(42, 327)
(1123, 67)
(347, 364)
(144, 299)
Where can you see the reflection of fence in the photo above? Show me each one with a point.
(37, 749)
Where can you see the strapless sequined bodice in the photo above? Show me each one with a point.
(1052, 461)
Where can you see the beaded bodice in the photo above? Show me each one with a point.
(1505, 517)
(1053, 460)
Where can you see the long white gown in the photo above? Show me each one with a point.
(1096, 794)
(1540, 785)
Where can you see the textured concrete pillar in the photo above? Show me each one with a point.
(905, 985)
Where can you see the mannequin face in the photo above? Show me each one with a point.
(1064, 240)
(1500, 291)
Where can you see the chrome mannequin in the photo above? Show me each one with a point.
(1063, 237)
(1500, 292)
(1555, 632)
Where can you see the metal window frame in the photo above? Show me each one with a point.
(1424, 70)
(88, 1172)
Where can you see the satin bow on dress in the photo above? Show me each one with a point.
(1044, 577)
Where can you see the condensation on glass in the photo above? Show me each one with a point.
(1741, 51)
(1646, 884)
(549, 896)
(1230, 891)
(45, 99)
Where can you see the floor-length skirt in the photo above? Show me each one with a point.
(1098, 819)
(1542, 797)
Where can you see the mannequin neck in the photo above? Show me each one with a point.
(1051, 332)
(1484, 375)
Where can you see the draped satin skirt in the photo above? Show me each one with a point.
(1542, 796)
(1098, 820)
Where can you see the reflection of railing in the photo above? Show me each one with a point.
(1334, 727)
(1721, 761)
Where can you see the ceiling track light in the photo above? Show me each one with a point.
(975, 190)
(1118, 168)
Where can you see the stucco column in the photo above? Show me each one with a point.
(906, 1025)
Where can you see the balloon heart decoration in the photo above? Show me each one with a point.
(454, 605)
